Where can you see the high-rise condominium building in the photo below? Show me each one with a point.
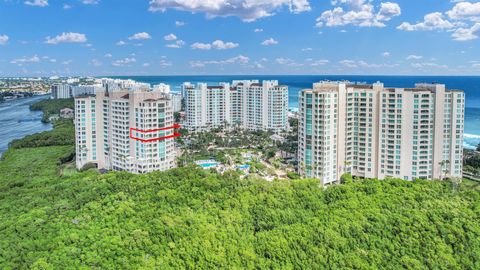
(376, 132)
(61, 91)
(104, 136)
(247, 104)
(64, 91)
(176, 98)
(176, 101)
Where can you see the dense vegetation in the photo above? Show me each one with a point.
(52, 106)
(199, 145)
(189, 218)
(52, 217)
(63, 133)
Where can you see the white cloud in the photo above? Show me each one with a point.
(220, 45)
(288, 62)
(317, 63)
(124, 62)
(388, 10)
(217, 44)
(414, 57)
(258, 65)
(349, 63)
(269, 42)
(179, 23)
(67, 62)
(90, 2)
(24, 60)
(240, 59)
(361, 63)
(69, 37)
(95, 62)
(37, 3)
(386, 54)
(146, 64)
(258, 30)
(465, 10)
(431, 21)
(428, 65)
(165, 63)
(140, 36)
(66, 6)
(359, 13)
(464, 23)
(3, 39)
(120, 43)
(307, 49)
(170, 37)
(465, 34)
(247, 10)
(201, 46)
(176, 45)
(108, 55)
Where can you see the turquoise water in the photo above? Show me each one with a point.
(208, 165)
(244, 167)
(470, 84)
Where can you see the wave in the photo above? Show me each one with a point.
(470, 141)
(469, 146)
(471, 136)
(34, 119)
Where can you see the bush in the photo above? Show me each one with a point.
(293, 175)
(88, 166)
(63, 133)
(52, 106)
(346, 178)
(189, 218)
(69, 157)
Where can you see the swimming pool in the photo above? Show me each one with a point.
(208, 165)
(244, 167)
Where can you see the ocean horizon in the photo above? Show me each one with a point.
(469, 84)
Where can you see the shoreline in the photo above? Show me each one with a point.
(18, 121)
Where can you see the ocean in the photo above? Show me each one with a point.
(470, 84)
(17, 121)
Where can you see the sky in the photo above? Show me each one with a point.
(216, 37)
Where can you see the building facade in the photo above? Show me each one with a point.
(104, 136)
(176, 101)
(82, 90)
(376, 132)
(246, 104)
(61, 91)
(65, 91)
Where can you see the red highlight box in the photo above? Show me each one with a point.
(175, 134)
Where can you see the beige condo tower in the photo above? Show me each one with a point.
(376, 132)
(103, 135)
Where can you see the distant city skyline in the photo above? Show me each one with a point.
(182, 37)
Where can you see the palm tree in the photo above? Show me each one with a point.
(122, 158)
(346, 165)
(83, 149)
(444, 168)
(456, 181)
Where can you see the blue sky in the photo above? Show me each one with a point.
(169, 37)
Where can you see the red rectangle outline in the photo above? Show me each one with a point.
(175, 134)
